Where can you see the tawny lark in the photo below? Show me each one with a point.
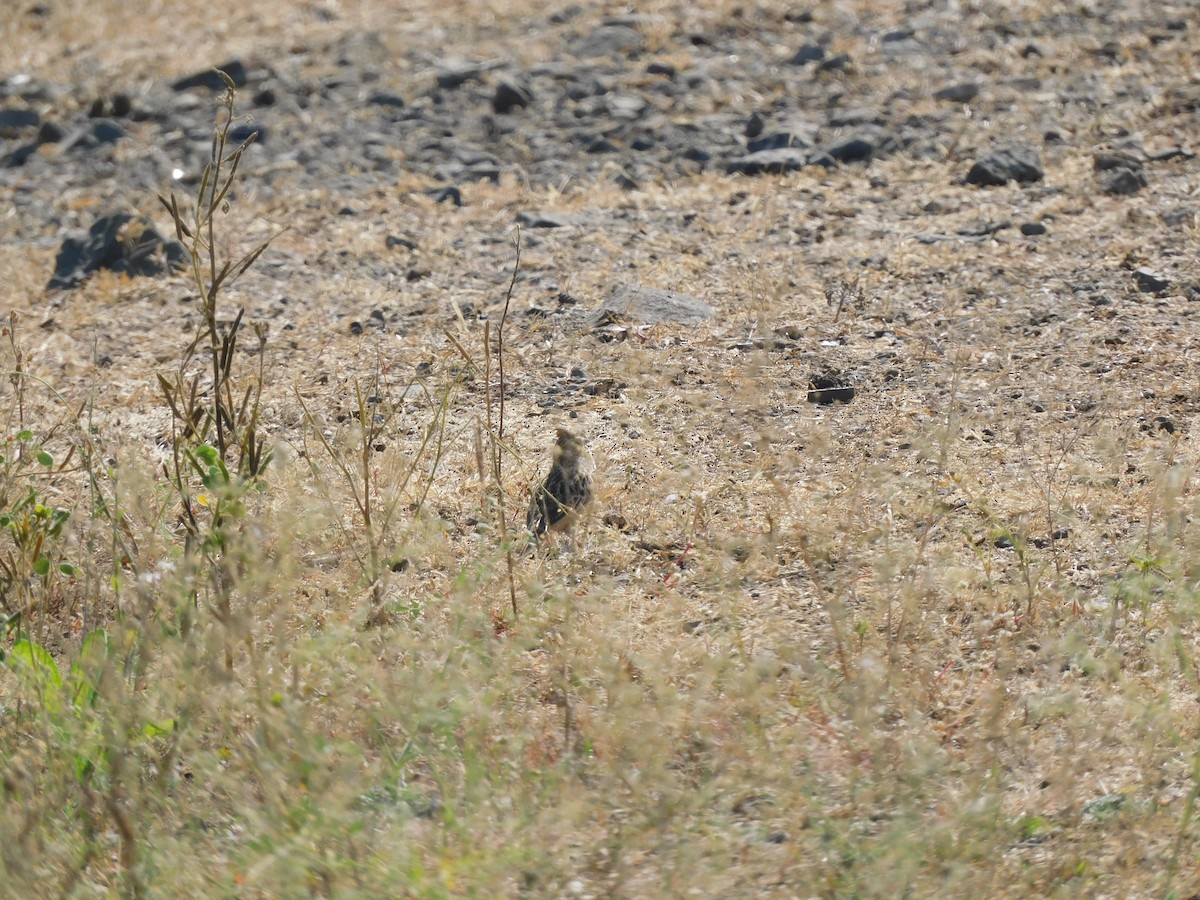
(562, 498)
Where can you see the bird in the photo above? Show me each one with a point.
(563, 497)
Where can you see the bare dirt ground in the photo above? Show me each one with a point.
(939, 639)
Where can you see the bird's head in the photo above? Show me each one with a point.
(567, 444)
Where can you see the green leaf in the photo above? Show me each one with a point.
(41, 566)
(84, 671)
(45, 458)
(85, 693)
(25, 435)
(37, 668)
(84, 768)
(26, 651)
(95, 645)
(158, 729)
(67, 569)
(1032, 826)
(58, 518)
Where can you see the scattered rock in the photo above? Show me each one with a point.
(806, 54)
(1103, 806)
(797, 133)
(964, 92)
(829, 386)
(852, 117)
(614, 39)
(1183, 216)
(604, 387)
(839, 63)
(14, 121)
(1032, 229)
(210, 80)
(246, 131)
(1169, 154)
(625, 105)
(18, 156)
(624, 181)
(1149, 281)
(1005, 163)
(617, 521)
(983, 228)
(1106, 160)
(650, 305)
(89, 137)
(510, 94)
(117, 107)
(448, 194)
(454, 72)
(864, 143)
(1026, 85)
(826, 396)
(542, 219)
(120, 243)
(769, 162)
(1123, 182)
(49, 133)
(378, 98)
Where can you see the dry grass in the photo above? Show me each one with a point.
(940, 640)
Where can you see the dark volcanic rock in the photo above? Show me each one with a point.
(769, 162)
(454, 72)
(118, 242)
(49, 133)
(510, 94)
(958, 93)
(839, 63)
(1005, 163)
(1149, 281)
(796, 133)
(1122, 181)
(862, 144)
(209, 79)
(13, 121)
(99, 132)
(449, 194)
(544, 219)
(806, 54)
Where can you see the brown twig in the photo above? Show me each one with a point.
(503, 318)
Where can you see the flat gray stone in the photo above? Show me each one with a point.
(650, 305)
(769, 162)
(537, 218)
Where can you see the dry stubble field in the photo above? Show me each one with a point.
(940, 640)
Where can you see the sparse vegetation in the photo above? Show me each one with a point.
(271, 630)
